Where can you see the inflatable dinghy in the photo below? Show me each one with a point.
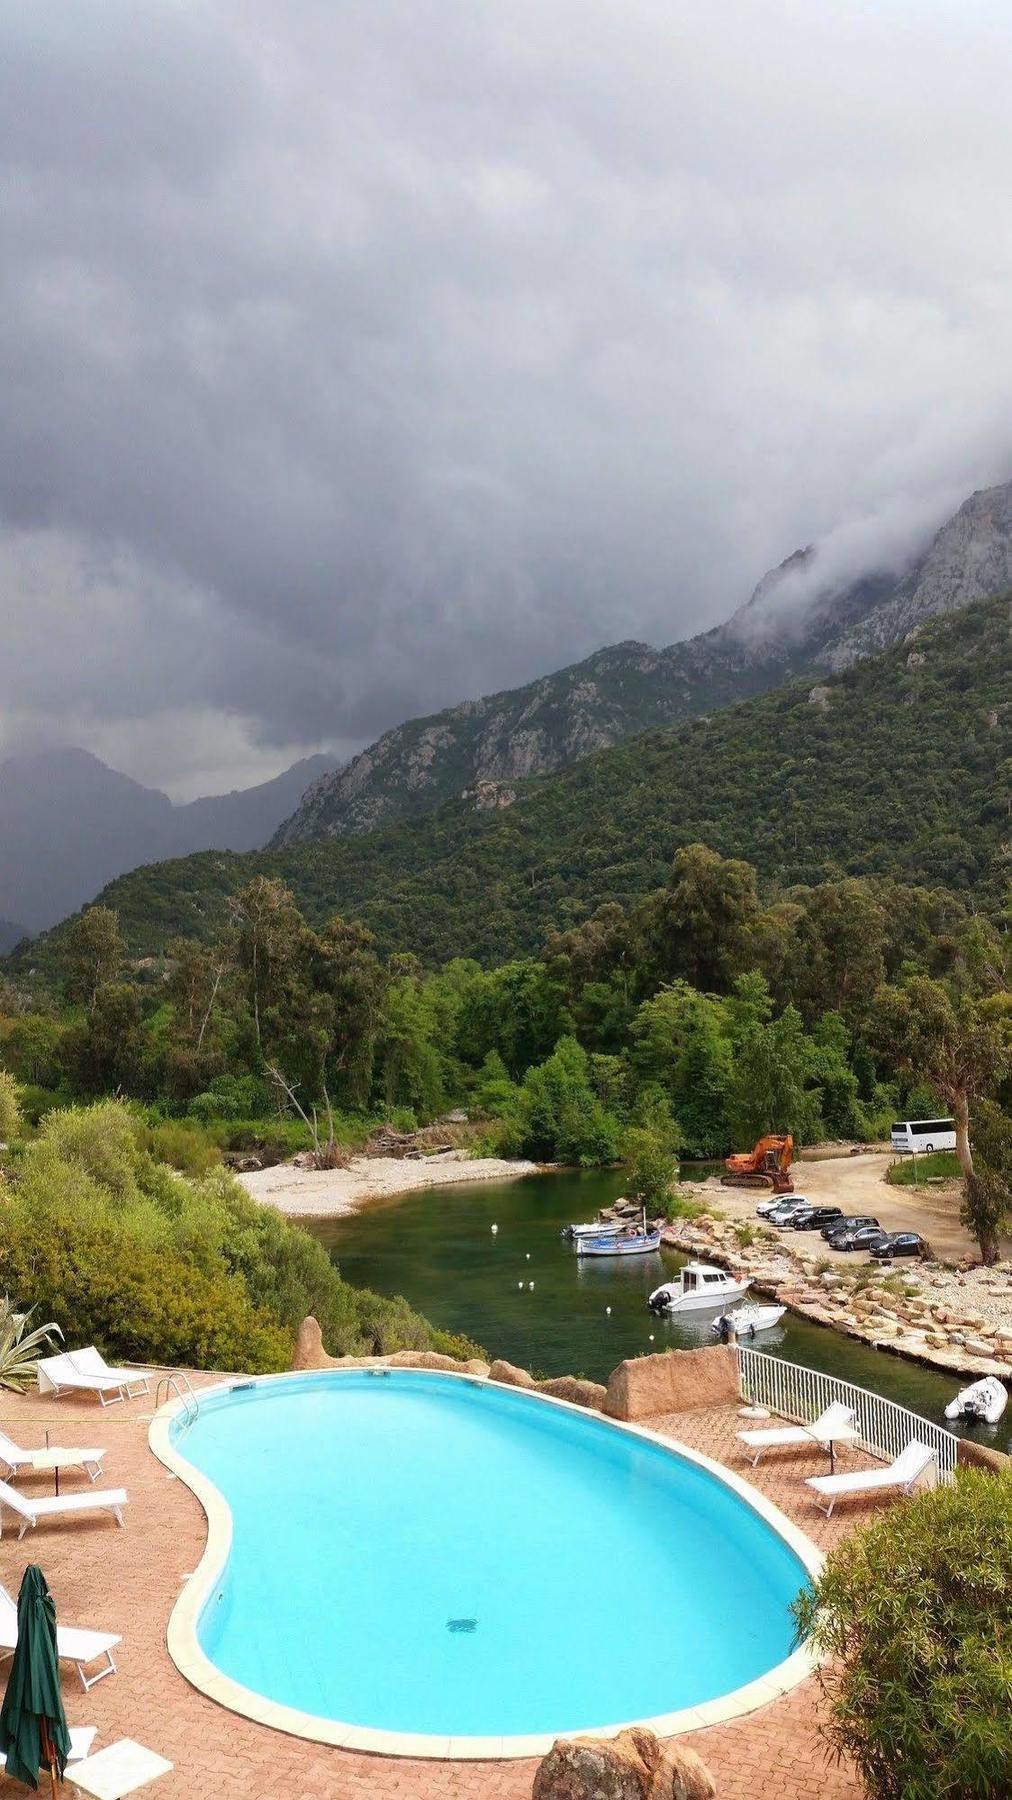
(985, 1399)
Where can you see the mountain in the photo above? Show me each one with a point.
(69, 824)
(793, 623)
(10, 934)
(898, 765)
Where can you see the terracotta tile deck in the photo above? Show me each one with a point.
(127, 1581)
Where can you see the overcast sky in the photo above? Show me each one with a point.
(360, 357)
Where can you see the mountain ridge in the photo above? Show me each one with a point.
(781, 631)
(69, 823)
(896, 767)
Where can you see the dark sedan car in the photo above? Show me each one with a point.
(813, 1218)
(866, 1237)
(852, 1222)
(899, 1243)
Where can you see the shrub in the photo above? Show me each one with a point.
(915, 1614)
(183, 1147)
(153, 1267)
(10, 1110)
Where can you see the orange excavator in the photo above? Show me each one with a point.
(764, 1167)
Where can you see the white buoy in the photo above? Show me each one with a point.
(520, 1284)
(494, 1230)
(530, 1284)
(651, 1337)
(608, 1311)
(528, 1255)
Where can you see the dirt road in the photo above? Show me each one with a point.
(858, 1185)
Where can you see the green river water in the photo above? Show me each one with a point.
(437, 1248)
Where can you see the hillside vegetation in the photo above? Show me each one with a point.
(901, 767)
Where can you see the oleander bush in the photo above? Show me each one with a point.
(915, 1616)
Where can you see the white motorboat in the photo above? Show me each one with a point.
(626, 1243)
(600, 1230)
(698, 1287)
(747, 1319)
(985, 1399)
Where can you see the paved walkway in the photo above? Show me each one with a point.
(127, 1581)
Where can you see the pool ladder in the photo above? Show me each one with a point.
(179, 1384)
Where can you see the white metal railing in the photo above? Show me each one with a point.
(802, 1394)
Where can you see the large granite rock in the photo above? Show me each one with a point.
(578, 1392)
(434, 1359)
(632, 1766)
(671, 1382)
(510, 1374)
(309, 1352)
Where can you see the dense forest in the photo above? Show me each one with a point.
(899, 768)
(592, 975)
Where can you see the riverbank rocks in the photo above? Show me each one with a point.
(631, 1766)
(672, 1381)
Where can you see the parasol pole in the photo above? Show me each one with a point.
(48, 1749)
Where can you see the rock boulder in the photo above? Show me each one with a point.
(632, 1766)
(309, 1352)
(577, 1391)
(671, 1382)
(511, 1375)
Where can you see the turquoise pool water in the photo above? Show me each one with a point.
(417, 1554)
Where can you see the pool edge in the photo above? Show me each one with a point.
(183, 1645)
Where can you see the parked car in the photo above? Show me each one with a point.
(899, 1243)
(813, 1218)
(850, 1222)
(773, 1202)
(864, 1238)
(782, 1215)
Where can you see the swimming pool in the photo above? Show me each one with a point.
(423, 1563)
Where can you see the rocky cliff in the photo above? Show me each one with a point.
(791, 624)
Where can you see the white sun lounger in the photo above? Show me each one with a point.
(72, 1644)
(81, 1739)
(46, 1462)
(903, 1474)
(835, 1419)
(61, 1506)
(119, 1769)
(75, 1371)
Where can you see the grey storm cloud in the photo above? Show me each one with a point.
(357, 359)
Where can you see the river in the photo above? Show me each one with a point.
(581, 1316)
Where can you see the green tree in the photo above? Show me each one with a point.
(111, 1046)
(92, 952)
(953, 1040)
(913, 1617)
(771, 1064)
(561, 1117)
(986, 1208)
(699, 926)
(268, 930)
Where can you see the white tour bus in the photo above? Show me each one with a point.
(923, 1135)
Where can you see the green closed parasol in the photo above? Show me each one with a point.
(33, 1724)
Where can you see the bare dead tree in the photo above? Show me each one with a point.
(326, 1153)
